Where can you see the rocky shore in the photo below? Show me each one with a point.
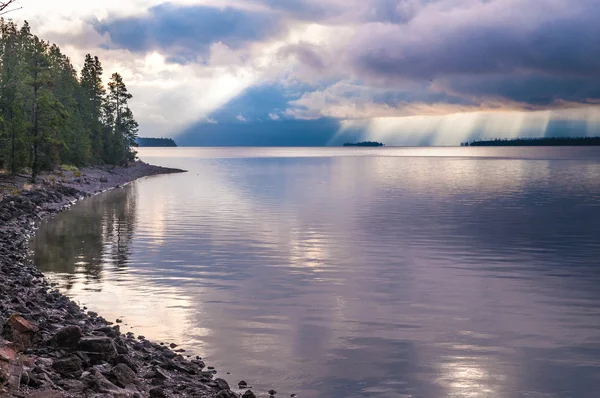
(49, 346)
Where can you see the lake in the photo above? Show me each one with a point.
(353, 272)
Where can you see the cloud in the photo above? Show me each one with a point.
(188, 32)
(489, 42)
(190, 61)
(241, 118)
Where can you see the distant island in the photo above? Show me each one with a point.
(155, 142)
(364, 143)
(558, 141)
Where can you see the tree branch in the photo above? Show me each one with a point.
(4, 5)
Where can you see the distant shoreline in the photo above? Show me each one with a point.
(365, 144)
(559, 141)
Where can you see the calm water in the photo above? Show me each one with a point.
(465, 272)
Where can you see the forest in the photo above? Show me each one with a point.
(52, 115)
(155, 142)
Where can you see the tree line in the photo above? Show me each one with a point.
(52, 115)
(543, 141)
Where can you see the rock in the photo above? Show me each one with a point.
(7, 353)
(272, 392)
(68, 367)
(20, 331)
(227, 394)
(46, 394)
(172, 345)
(222, 384)
(98, 348)
(248, 394)
(125, 359)
(123, 376)
(67, 337)
(97, 382)
(242, 384)
(157, 392)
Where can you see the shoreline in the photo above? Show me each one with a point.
(49, 346)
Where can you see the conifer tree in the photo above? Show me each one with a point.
(49, 116)
(124, 129)
(92, 104)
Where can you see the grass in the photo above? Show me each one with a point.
(77, 173)
(69, 167)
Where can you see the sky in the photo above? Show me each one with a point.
(313, 72)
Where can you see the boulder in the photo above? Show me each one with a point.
(123, 376)
(20, 331)
(67, 337)
(222, 384)
(98, 348)
(249, 394)
(68, 367)
(157, 392)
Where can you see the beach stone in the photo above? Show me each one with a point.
(249, 394)
(123, 376)
(242, 384)
(97, 382)
(7, 353)
(125, 359)
(98, 348)
(46, 394)
(227, 394)
(68, 367)
(222, 384)
(272, 392)
(20, 331)
(157, 392)
(67, 337)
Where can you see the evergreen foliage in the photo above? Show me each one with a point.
(50, 116)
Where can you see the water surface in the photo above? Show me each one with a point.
(426, 272)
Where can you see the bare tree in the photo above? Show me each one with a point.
(5, 4)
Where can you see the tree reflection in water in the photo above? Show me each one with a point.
(91, 237)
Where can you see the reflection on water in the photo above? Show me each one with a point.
(385, 276)
(93, 238)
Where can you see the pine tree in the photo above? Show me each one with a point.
(48, 116)
(14, 152)
(39, 78)
(92, 104)
(124, 129)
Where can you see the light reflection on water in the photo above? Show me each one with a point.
(460, 272)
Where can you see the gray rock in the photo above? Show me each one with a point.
(125, 359)
(67, 337)
(98, 348)
(248, 394)
(227, 394)
(68, 367)
(222, 384)
(123, 376)
(157, 392)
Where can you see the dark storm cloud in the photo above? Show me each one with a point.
(555, 51)
(531, 89)
(186, 32)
